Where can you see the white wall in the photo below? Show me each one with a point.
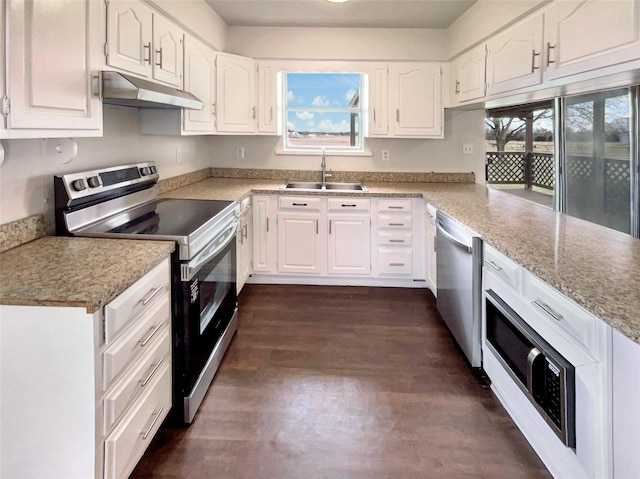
(26, 177)
(338, 43)
(406, 155)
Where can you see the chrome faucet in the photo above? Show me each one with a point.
(323, 167)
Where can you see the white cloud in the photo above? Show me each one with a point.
(310, 124)
(330, 126)
(304, 115)
(349, 94)
(320, 100)
(290, 96)
(291, 125)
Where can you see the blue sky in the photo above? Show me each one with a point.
(307, 92)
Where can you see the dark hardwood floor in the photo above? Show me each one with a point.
(343, 382)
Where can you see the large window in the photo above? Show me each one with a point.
(323, 110)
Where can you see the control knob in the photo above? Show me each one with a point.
(79, 185)
(93, 181)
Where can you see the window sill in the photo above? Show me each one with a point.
(281, 151)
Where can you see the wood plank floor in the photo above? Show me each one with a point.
(344, 383)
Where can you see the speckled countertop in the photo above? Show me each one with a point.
(76, 272)
(597, 267)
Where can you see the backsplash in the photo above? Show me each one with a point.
(21, 231)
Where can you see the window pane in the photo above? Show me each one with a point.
(598, 158)
(321, 128)
(322, 90)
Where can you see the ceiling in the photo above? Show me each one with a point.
(353, 14)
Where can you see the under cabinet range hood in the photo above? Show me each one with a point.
(125, 90)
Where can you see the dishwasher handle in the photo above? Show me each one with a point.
(453, 239)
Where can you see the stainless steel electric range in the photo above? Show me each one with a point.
(122, 202)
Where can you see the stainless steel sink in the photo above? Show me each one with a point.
(310, 185)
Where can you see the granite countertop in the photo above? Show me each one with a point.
(597, 267)
(75, 272)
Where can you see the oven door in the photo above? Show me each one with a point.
(207, 305)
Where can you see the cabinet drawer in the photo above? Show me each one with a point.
(135, 341)
(561, 311)
(395, 261)
(136, 299)
(395, 238)
(139, 379)
(348, 204)
(395, 204)
(395, 221)
(299, 203)
(502, 267)
(128, 441)
(245, 204)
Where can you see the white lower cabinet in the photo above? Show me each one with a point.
(430, 245)
(300, 249)
(265, 250)
(244, 248)
(349, 236)
(61, 416)
(582, 340)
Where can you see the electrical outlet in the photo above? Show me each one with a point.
(178, 155)
(240, 153)
(467, 149)
(385, 155)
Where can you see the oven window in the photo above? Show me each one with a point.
(215, 281)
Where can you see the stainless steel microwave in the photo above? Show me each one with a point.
(543, 374)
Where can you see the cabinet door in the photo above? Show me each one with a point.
(49, 69)
(468, 73)
(235, 94)
(129, 36)
(167, 52)
(264, 235)
(585, 35)
(299, 245)
(430, 253)
(514, 57)
(267, 100)
(378, 105)
(415, 100)
(199, 79)
(349, 246)
(245, 249)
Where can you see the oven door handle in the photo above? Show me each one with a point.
(188, 270)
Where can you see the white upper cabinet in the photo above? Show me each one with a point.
(51, 69)
(378, 104)
(235, 94)
(415, 100)
(129, 36)
(590, 34)
(167, 52)
(468, 77)
(141, 42)
(200, 80)
(267, 99)
(514, 57)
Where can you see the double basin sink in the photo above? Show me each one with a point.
(318, 186)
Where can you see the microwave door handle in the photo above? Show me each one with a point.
(533, 355)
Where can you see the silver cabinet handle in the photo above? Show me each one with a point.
(396, 207)
(254, 112)
(533, 61)
(547, 309)
(457, 87)
(153, 423)
(154, 370)
(159, 52)
(396, 241)
(144, 341)
(152, 294)
(348, 206)
(493, 265)
(396, 264)
(330, 226)
(147, 56)
(267, 224)
(299, 204)
(245, 231)
(396, 224)
(374, 115)
(317, 227)
(398, 115)
(549, 48)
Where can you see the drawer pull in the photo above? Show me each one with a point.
(143, 342)
(396, 264)
(493, 265)
(348, 206)
(152, 294)
(396, 224)
(396, 207)
(154, 369)
(153, 423)
(299, 204)
(547, 309)
(396, 241)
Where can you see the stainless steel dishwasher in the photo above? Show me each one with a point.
(459, 273)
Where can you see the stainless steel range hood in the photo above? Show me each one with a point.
(125, 90)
